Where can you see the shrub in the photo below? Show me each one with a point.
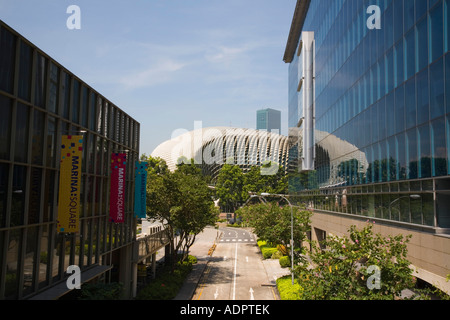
(268, 252)
(287, 290)
(285, 262)
(102, 291)
(167, 283)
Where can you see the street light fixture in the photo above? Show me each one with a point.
(265, 194)
(412, 196)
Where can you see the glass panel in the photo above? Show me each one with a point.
(30, 260)
(45, 257)
(436, 33)
(21, 139)
(423, 110)
(51, 142)
(408, 14)
(410, 103)
(26, 61)
(447, 82)
(4, 175)
(428, 209)
(398, 19)
(439, 149)
(76, 101)
(53, 91)
(421, 45)
(7, 60)
(92, 111)
(84, 107)
(18, 195)
(34, 201)
(5, 127)
(424, 151)
(437, 106)
(13, 254)
(65, 93)
(421, 8)
(416, 210)
(401, 156)
(412, 158)
(49, 195)
(37, 145)
(395, 207)
(40, 81)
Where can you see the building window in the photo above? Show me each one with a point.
(7, 60)
(21, 133)
(40, 81)
(26, 62)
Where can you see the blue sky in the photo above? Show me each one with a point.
(169, 63)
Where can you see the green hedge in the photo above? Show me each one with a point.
(287, 290)
(167, 283)
(285, 262)
(268, 250)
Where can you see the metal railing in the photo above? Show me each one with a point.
(149, 244)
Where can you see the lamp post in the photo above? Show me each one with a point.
(265, 194)
(412, 196)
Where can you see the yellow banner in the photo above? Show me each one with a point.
(69, 184)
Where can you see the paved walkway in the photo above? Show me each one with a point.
(200, 248)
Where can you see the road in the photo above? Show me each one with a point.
(235, 270)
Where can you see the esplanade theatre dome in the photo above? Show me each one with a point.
(212, 147)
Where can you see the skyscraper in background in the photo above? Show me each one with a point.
(268, 119)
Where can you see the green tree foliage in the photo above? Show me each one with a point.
(348, 267)
(181, 201)
(257, 182)
(272, 223)
(233, 186)
(229, 186)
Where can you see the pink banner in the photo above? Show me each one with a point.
(117, 192)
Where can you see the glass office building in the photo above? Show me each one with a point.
(39, 102)
(269, 120)
(386, 93)
(381, 112)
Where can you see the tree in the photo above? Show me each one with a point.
(181, 201)
(272, 223)
(255, 181)
(229, 186)
(362, 265)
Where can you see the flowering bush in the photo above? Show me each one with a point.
(363, 265)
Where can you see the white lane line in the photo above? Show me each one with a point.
(234, 273)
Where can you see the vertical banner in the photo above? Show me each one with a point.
(117, 192)
(69, 183)
(140, 190)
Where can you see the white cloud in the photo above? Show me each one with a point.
(159, 72)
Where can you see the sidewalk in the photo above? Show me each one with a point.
(199, 249)
(203, 242)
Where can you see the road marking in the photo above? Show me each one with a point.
(234, 273)
(251, 294)
(246, 259)
(216, 294)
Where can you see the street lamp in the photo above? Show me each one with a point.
(265, 194)
(412, 196)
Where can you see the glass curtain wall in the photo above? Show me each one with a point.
(382, 101)
(33, 256)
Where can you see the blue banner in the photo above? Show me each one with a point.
(140, 189)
